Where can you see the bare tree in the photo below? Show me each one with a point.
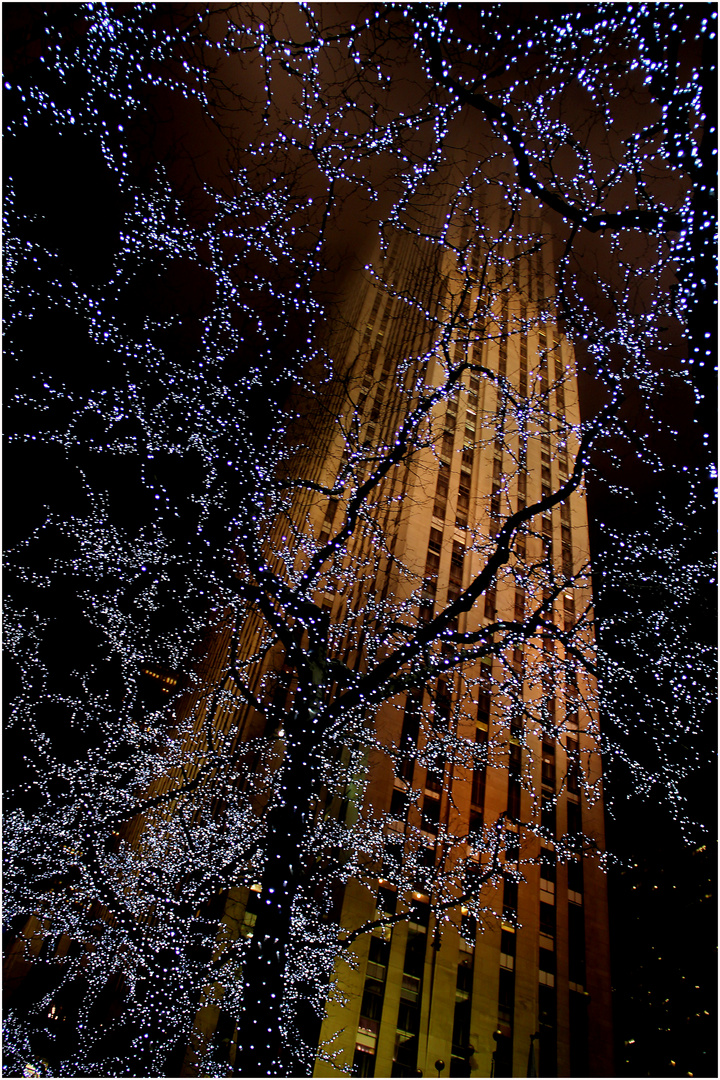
(218, 446)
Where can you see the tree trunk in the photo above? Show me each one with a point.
(262, 1049)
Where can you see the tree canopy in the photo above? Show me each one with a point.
(193, 463)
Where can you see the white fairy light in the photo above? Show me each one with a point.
(199, 489)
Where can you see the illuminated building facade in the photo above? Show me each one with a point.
(523, 983)
(533, 982)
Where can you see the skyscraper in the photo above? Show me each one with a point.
(512, 976)
(534, 980)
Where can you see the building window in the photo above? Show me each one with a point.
(567, 560)
(502, 357)
(164, 680)
(547, 875)
(434, 778)
(573, 766)
(576, 944)
(568, 610)
(386, 900)
(247, 926)
(409, 736)
(463, 1000)
(574, 819)
(490, 604)
(523, 383)
(431, 815)
(547, 967)
(547, 1009)
(463, 503)
(363, 1061)
(484, 697)
(377, 959)
(435, 542)
(507, 949)
(506, 996)
(510, 899)
(443, 704)
(420, 916)
(468, 929)
(502, 1056)
(372, 1003)
(399, 804)
(426, 856)
(408, 1021)
(575, 880)
(548, 817)
(548, 766)
(441, 491)
(456, 563)
(393, 854)
(547, 919)
(477, 797)
(513, 798)
(432, 564)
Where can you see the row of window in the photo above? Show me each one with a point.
(407, 1027)
(447, 449)
(544, 369)
(463, 501)
(548, 763)
(408, 1019)
(372, 1003)
(547, 999)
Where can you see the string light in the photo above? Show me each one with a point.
(150, 782)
